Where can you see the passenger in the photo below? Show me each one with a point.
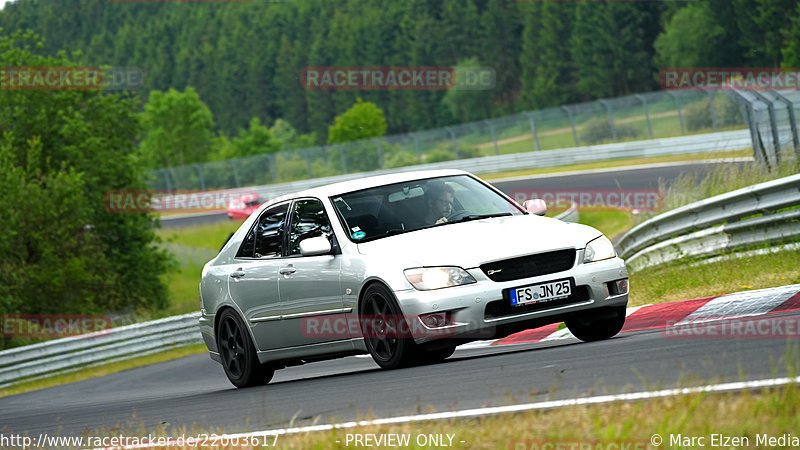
(439, 198)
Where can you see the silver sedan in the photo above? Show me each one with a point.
(404, 267)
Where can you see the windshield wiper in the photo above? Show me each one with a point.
(480, 216)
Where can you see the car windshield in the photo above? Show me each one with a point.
(383, 211)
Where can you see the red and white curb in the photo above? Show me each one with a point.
(740, 304)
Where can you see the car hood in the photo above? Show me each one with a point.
(470, 244)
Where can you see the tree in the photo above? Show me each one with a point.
(692, 38)
(287, 136)
(467, 105)
(362, 121)
(255, 140)
(177, 129)
(60, 154)
(791, 51)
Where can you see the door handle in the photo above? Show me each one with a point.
(287, 270)
(238, 273)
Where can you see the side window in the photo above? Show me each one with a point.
(308, 220)
(265, 239)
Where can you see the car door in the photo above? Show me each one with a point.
(253, 277)
(310, 290)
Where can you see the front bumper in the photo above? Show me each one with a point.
(467, 305)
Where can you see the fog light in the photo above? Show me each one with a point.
(434, 320)
(621, 286)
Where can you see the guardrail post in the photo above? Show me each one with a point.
(380, 152)
(610, 118)
(235, 172)
(494, 138)
(572, 124)
(773, 122)
(416, 146)
(678, 108)
(533, 130)
(643, 99)
(750, 120)
(200, 173)
(453, 137)
(712, 110)
(792, 122)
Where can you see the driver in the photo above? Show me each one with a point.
(439, 198)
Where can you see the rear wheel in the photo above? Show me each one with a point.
(588, 330)
(238, 354)
(386, 332)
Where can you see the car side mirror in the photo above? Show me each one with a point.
(319, 245)
(535, 206)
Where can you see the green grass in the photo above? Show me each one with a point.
(183, 287)
(210, 236)
(99, 371)
(610, 223)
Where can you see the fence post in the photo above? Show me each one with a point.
(308, 163)
(572, 124)
(643, 99)
(200, 172)
(678, 108)
(533, 130)
(792, 122)
(167, 181)
(380, 152)
(494, 138)
(272, 161)
(610, 118)
(341, 155)
(755, 137)
(453, 137)
(416, 145)
(773, 124)
(712, 110)
(235, 172)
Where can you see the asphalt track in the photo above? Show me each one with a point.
(194, 390)
(646, 177)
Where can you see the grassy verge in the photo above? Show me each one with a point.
(680, 281)
(772, 412)
(183, 287)
(617, 163)
(99, 371)
(210, 236)
(611, 223)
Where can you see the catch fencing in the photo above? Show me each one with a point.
(650, 116)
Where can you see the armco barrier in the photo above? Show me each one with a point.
(702, 143)
(73, 353)
(717, 224)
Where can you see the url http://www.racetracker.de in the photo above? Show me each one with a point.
(45, 440)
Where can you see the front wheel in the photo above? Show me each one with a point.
(386, 332)
(588, 330)
(238, 354)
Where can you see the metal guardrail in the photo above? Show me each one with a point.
(717, 224)
(701, 143)
(74, 353)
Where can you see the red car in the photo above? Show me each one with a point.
(241, 208)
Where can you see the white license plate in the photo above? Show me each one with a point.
(538, 293)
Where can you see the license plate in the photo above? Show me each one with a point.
(540, 293)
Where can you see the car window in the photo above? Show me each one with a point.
(308, 220)
(265, 239)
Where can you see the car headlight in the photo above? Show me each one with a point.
(598, 250)
(429, 278)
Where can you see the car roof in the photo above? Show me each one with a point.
(344, 187)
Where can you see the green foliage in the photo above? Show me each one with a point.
(598, 130)
(698, 114)
(177, 129)
(691, 39)
(439, 156)
(257, 139)
(60, 153)
(467, 105)
(401, 159)
(363, 120)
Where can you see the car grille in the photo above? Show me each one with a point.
(530, 265)
(502, 308)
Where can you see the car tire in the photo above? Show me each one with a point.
(238, 354)
(589, 330)
(385, 330)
